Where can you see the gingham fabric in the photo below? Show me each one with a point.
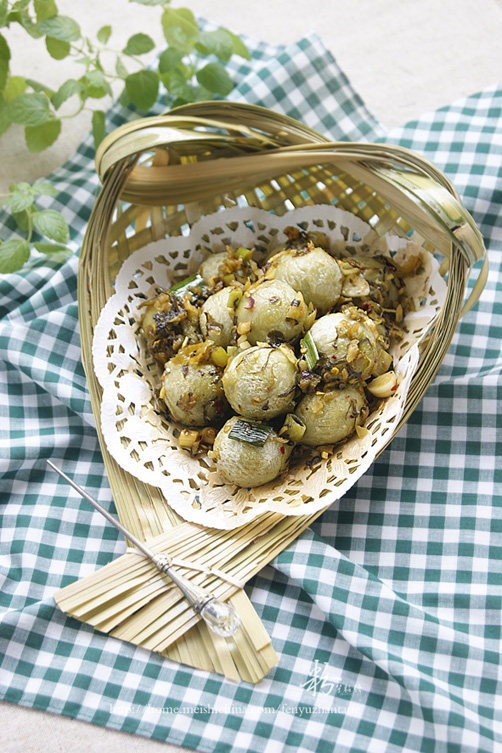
(386, 615)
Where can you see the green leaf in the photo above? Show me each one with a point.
(21, 16)
(67, 89)
(180, 28)
(124, 98)
(104, 34)
(120, 68)
(30, 109)
(200, 94)
(50, 223)
(4, 48)
(3, 12)
(188, 18)
(215, 78)
(177, 86)
(239, 46)
(143, 88)
(22, 220)
(57, 48)
(217, 43)
(98, 127)
(21, 186)
(43, 188)
(13, 254)
(5, 121)
(56, 251)
(4, 61)
(38, 87)
(20, 5)
(41, 137)
(60, 27)
(45, 9)
(169, 59)
(95, 84)
(138, 44)
(15, 86)
(150, 2)
(19, 201)
(4, 72)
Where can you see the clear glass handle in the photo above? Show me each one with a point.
(220, 617)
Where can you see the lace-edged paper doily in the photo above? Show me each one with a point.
(144, 442)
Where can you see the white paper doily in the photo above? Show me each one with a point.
(144, 442)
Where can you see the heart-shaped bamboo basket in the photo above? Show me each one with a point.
(163, 174)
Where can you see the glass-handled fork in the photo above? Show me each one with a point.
(219, 616)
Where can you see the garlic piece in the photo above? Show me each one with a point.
(384, 385)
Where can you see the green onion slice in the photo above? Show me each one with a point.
(244, 253)
(251, 432)
(311, 355)
(293, 427)
(195, 281)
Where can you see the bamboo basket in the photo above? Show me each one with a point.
(159, 175)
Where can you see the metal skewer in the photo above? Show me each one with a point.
(219, 616)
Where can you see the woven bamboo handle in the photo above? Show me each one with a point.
(216, 147)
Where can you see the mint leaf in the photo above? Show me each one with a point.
(95, 85)
(120, 68)
(65, 91)
(50, 223)
(98, 127)
(4, 61)
(215, 78)
(22, 220)
(138, 44)
(104, 34)
(57, 48)
(22, 16)
(30, 109)
(177, 86)
(3, 12)
(13, 254)
(43, 188)
(60, 27)
(5, 121)
(56, 251)
(180, 28)
(4, 72)
(41, 137)
(45, 9)
(38, 87)
(15, 86)
(149, 2)
(217, 43)
(142, 88)
(239, 46)
(4, 48)
(19, 201)
(169, 59)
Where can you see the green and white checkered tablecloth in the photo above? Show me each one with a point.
(387, 614)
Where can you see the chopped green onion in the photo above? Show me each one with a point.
(244, 253)
(293, 428)
(195, 281)
(311, 354)
(250, 432)
(234, 297)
